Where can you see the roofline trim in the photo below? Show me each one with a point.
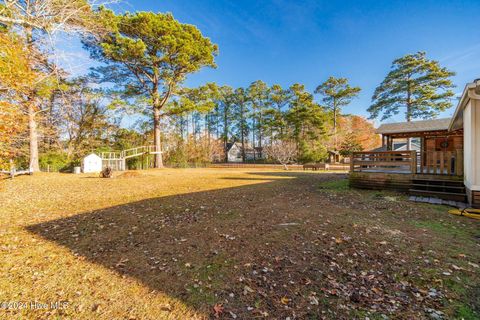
(468, 93)
(390, 131)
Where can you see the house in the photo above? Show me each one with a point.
(92, 163)
(334, 156)
(436, 158)
(467, 118)
(234, 152)
(402, 145)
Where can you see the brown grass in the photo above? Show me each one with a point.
(173, 243)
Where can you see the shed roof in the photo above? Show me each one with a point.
(414, 126)
(93, 156)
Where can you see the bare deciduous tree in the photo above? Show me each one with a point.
(283, 151)
(51, 16)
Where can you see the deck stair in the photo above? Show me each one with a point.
(437, 188)
(116, 159)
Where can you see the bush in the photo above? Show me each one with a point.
(312, 152)
(56, 161)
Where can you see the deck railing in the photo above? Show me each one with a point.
(441, 162)
(413, 162)
(384, 161)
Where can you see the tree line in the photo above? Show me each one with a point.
(143, 60)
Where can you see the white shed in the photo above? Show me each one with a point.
(92, 163)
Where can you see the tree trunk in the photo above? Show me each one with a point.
(409, 112)
(33, 138)
(225, 132)
(260, 134)
(334, 125)
(253, 139)
(156, 138)
(242, 134)
(32, 124)
(207, 127)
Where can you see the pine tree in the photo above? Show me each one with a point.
(336, 93)
(149, 55)
(416, 84)
(241, 118)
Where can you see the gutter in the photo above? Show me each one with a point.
(468, 93)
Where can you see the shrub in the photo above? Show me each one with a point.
(56, 161)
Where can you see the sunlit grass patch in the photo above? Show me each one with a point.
(335, 185)
(444, 228)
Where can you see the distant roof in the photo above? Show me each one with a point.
(248, 147)
(415, 126)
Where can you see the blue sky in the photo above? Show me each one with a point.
(284, 42)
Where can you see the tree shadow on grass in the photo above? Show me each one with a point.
(187, 245)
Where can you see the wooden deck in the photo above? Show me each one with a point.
(432, 174)
(408, 162)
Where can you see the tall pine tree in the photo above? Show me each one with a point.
(417, 85)
(148, 55)
(336, 93)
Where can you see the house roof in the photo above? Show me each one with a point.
(415, 126)
(230, 145)
(471, 91)
(248, 147)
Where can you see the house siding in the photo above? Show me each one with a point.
(471, 124)
(234, 154)
(476, 199)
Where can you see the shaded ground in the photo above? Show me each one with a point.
(205, 243)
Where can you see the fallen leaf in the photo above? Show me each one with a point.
(247, 290)
(218, 309)
(284, 300)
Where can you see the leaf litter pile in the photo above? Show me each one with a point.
(231, 244)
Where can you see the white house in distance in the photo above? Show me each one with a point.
(92, 163)
(234, 151)
(467, 117)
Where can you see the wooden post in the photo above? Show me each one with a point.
(459, 162)
(442, 162)
(449, 157)
(413, 155)
(351, 162)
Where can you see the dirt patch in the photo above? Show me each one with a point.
(129, 175)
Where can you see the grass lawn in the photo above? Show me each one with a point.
(230, 243)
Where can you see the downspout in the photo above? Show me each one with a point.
(472, 94)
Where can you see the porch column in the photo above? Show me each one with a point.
(389, 143)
